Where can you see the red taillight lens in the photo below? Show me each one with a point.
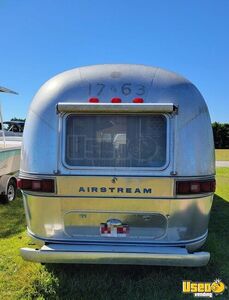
(208, 186)
(48, 186)
(183, 187)
(42, 185)
(94, 100)
(195, 187)
(138, 100)
(116, 100)
(25, 184)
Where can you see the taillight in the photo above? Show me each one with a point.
(38, 185)
(195, 187)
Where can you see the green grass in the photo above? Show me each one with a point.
(222, 154)
(24, 280)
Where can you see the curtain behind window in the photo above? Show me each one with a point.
(116, 140)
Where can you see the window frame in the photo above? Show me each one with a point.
(114, 169)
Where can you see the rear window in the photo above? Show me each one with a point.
(115, 140)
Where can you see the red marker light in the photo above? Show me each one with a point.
(138, 100)
(94, 100)
(116, 100)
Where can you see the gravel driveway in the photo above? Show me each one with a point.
(222, 163)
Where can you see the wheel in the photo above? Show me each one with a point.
(11, 191)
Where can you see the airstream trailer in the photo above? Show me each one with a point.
(118, 168)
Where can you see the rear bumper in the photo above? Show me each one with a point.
(110, 254)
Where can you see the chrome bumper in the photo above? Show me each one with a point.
(110, 254)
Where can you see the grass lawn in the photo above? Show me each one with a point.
(25, 280)
(222, 154)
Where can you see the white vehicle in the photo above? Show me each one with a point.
(10, 149)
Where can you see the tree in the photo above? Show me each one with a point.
(221, 135)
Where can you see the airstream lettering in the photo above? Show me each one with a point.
(115, 189)
(118, 168)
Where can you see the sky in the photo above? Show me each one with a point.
(41, 38)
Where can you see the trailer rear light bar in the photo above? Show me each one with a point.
(69, 107)
(36, 185)
(195, 187)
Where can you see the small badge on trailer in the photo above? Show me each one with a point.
(114, 228)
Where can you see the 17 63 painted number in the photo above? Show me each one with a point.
(126, 89)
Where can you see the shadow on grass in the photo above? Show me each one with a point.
(12, 218)
(146, 282)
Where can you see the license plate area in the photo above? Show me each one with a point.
(114, 228)
(99, 225)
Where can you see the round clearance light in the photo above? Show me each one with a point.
(138, 100)
(116, 100)
(94, 100)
